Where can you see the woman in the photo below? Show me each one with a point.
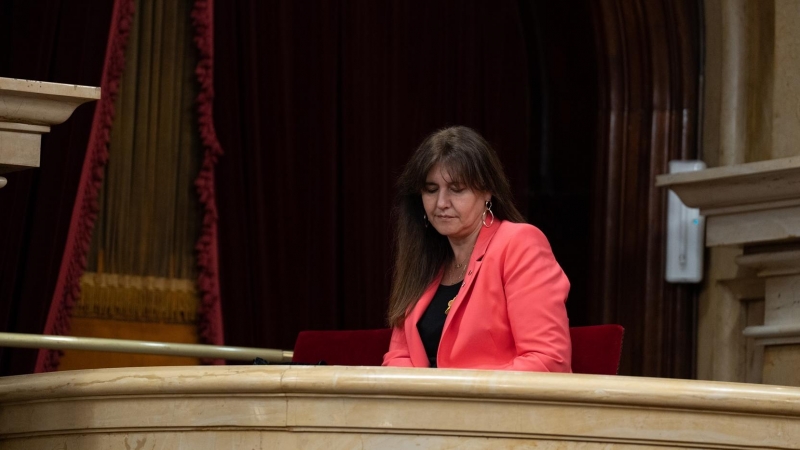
(474, 286)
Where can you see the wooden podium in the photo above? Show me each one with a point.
(342, 407)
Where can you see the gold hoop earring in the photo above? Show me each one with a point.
(488, 210)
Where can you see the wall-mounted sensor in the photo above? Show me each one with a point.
(685, 233)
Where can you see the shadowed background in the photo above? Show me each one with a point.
(319, 104)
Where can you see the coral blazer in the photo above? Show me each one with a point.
(509, 314)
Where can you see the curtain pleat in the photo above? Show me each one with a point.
(36, 205)
(141, 264)
(210, 324)
(85, 209)
(319, 106)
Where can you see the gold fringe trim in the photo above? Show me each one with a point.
(137, 299)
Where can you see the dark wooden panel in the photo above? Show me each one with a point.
(648, 56)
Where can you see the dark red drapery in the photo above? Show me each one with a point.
(318, 106)
(59, 41)
(85, 207)
(210, 325)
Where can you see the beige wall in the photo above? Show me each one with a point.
(786, 91)
(751, 113)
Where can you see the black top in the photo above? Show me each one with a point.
(431, 323)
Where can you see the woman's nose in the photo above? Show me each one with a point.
(442, 200)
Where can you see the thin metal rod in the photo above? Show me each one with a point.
(21, 340)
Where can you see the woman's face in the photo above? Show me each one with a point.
(453, 209)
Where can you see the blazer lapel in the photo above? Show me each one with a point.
(474, 266)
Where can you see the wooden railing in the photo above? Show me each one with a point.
(20, 340)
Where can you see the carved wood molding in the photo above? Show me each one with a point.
(648, 54)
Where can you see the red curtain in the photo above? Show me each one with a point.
(47, 40)
(86, 208)
(210, 325)
(318, 106)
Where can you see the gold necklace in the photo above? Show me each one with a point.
(461, 277)
(462, 266)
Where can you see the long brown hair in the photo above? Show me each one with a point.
(420, 251)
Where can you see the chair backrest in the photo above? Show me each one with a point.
(342, 348)
(596, 349)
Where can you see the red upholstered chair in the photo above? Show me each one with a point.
(596, 349)
(342, 348)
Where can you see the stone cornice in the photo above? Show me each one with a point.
(27, 110)
(739, 188)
